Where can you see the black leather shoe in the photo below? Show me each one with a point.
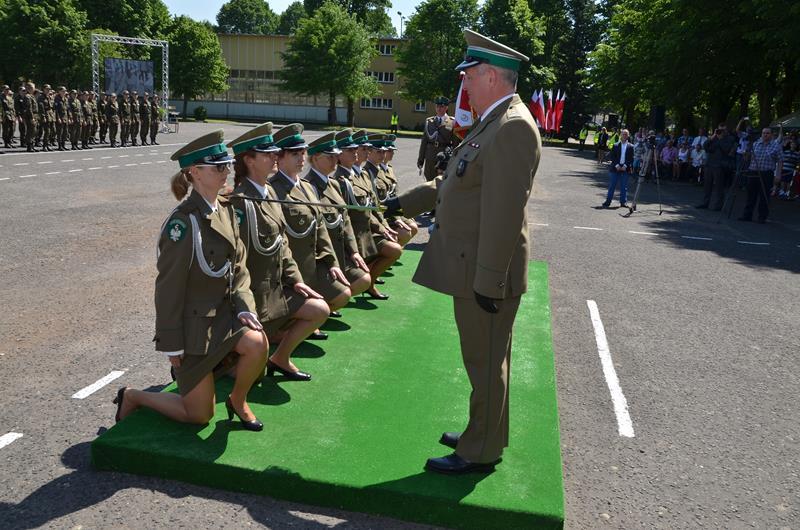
(455, 465)
(118, 402)
(378, 296)
(252, 425)
(605, 205)
(291, 376)
(335, 314)
(450, 439)
(318, 335)
(623, 205)
(378, 281)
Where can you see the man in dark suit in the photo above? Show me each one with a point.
(621, 158)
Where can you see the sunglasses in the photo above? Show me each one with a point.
(220, 167)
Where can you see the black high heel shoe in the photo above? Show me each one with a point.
(378, 281)
(118, 402)
(335, 314)
(318, 335)
(291, 376)
(253, 425)
(377, 295)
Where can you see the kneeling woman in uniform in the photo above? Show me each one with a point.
(285, 304)
(308, 238)
(204, 307)
(322, 156)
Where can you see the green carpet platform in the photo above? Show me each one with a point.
(385, 386)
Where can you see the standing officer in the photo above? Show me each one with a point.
(144, 118)
(95, 125)
(75, 119)
(30, 112)
(478, 251)
(19, 109)
(134, 117)
(61, 109)
(102, 101)
(437, 136)
(9, 116)
(112, 119)
(88, 118)
(48, 118)
(125, 118)
(155, 118)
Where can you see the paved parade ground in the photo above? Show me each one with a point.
(675, 345)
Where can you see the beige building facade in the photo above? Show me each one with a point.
(255, 93)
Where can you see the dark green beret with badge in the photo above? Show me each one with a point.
(325, 144)
(258, 139)
(291, 137)
(208, 149)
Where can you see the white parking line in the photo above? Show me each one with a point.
(9, 178)
(587, 228)
(753, 243)
(97, 385)
(124, 156)
(53, 173)
(74, 170)
(26, 176)
(45, 162)
(93, 168)
(642, 233)
(104, 157)
(9, 438)
(70, 160)
(87, 158)
(22, 164)
(539, 224)
(624, 423)
(165, 161)
(111, 167)
(129, 165)
(145, 163)
(698, 238)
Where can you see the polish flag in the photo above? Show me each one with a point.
(559, 111)
(464, 117)
(548, 117)
(537, 107)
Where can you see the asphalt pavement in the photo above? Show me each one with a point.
(699, 318)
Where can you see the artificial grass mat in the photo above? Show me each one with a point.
(385, 386)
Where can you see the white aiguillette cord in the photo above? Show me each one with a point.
(252, 223)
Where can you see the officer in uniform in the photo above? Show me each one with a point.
(125, 119)
(144, 118)
(102, 101)
(75, 119)
(9, 116)
(95, 117)
(48, 118)
(30, 114)
(479, 250)
(134, 118)
(283, 301)
(19, 109)
(380, 185)
(436, 137)
(112, 119)
(204, 307)
(88, 119)
(61, 110)
(155, 118)
(41, 118)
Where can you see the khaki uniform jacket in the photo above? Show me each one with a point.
(101, 105)
(134, 110)
(112, 113)
(75, 111)
(31, 108)
(154, 114)
(60, 106)
(316, 246)
(124, 110)
(88, 112)
(378, 179)
(337, 222)
(481, 242)
(9, 113)
(363, 183)
(144, 111)
(269, 262)
(195, 312)
(434, 141)
(362, 222)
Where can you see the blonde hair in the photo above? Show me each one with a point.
(180, 183)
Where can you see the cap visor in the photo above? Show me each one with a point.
(218, 161)
(467, 64)
(271, 149)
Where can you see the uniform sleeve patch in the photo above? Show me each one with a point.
(176, 230)
(239, 216)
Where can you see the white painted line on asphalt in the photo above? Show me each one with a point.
(22, 164)
(698, 238)
(129, 165)
(53, 173)
(93, 168)
(111, 167)
(165, 152)
(162, 161)
(140, 154)
(643, 233)
(87, 158)
(96, 148)
(587, 228)
(9, 438)
(124, 156)
(74, 170)
(9, 178)
(70, 160)
(145, 163)
(624, 423)
(104, 157)
(26, 176)
(97, 385)
(753, 243)
(45, 162)
(539, 224)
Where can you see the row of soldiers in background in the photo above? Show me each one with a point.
(47, 118)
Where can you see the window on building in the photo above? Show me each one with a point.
(420, 106)
(382, 77)
(377, 103)
(385, 49)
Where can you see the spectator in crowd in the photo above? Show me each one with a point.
(582, 136)
(698, 157)
(684, 138)
(682, 163)
(700, 139)
(621, 157)
(744, 133)
(789, 167)
(765, 158)
(669, 156)
(601, 145)
(721, 150)
(639, 150)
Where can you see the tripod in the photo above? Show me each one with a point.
(651, 160)
(732, 193)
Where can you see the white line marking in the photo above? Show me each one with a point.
(9, 438)
(698, 238)
(145, 163)
(46, 162)
(165, 161)
(165, 152)
(53, 173)
(70, 160)
(74, 170)
(624, 423)
(104, 157)
(123, 156)
(111, 167)
(753, 243)
(140, 154)
(97, 385)
(587, 228)
(93, 168)
(643, 233)
(26, 176)
(87, 158)
(539, 224)
(22, 164)
(9, 178)
(129, 165)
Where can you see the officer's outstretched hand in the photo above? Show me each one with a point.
(393, 207)
(487, 304)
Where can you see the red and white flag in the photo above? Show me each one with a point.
(559, 113)
(537, 107)
(464, 117)
(549, 116)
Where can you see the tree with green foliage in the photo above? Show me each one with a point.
(290, 18)
(196, 63)
(328, 55)
(128, 18)
(371, 13)
(434, 46)
(253, 17)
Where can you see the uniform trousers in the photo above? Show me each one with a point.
(145, 130)
(30, 131)
(134, 131)
(8, 131)
(486, 351)
(124, 132)
(112, 133)
(153, 130)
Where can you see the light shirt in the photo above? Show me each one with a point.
(291, 181)
(262, 190)
(355, 169)
(323, 177)
(212, 206)
(622, 147)
(495, 105)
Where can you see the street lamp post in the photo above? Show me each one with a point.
(401, 23)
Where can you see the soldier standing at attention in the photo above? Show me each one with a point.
(75, 118)
(134, 118)
(19, 109)
(61, 110)
(39, 117)
(95, 125)
(155, 118)
(48, 117)
(9, 116)
(30, 112)
(479, 250)
(86, 125)
(102, 101)
(437, 136)
(125, 118)
(144, 118)
(112, 119)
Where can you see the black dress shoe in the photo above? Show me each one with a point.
(118, 402)
(450, 439)
(378, 281)
(252, 425)
(623, 205)
(455, 465)
(335, 314)
(378, 296)
(291, 376)
(605, 205)
(318, 335)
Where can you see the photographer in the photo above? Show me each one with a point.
(721, 150)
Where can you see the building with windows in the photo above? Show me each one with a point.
(255, 92)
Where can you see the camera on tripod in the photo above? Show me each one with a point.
(651, 141)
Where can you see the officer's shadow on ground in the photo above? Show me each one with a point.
(84, 487)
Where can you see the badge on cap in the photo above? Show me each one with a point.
(176, 230)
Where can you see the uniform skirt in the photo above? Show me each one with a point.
(324, 285)
(294, 301)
